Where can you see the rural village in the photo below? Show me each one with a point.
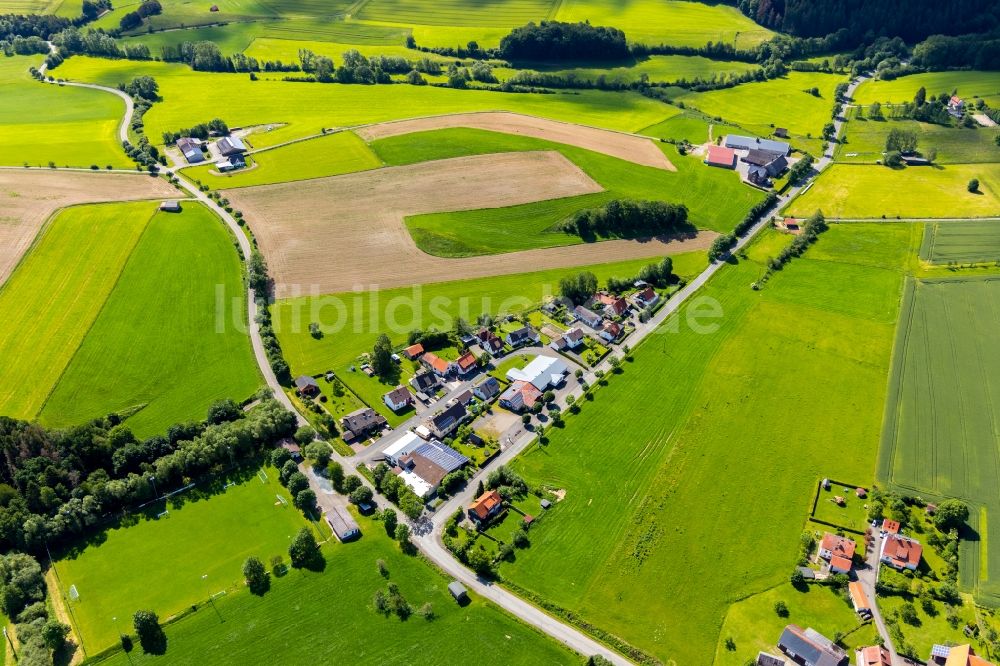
(646, 332)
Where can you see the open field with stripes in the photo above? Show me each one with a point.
(940, 434)
(961, 242)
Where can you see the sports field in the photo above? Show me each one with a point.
(127, 318)
(701, 420)
(158, 562)
(330, 155)
(940, 424)
(170, 336)
(669, 21)
(44, 123)
(784, 102)
(962, 242)
(191, 97)
(328, 617)
(351, 322)
(869, 191)
(866, 141)
(969, 84)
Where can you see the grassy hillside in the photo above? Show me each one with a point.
(969, 84)
(702, 423)
(866, 141)
(171, 336)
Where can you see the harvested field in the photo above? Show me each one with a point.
(617, 144)
(333, 234)
(31, 196)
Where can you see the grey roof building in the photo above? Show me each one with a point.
(342, 524)
(458, 591)
(446, 422)
(740, 142)
(810, 648)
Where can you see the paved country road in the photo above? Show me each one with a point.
(427, 533)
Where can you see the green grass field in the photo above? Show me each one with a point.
(961, 242)
(54, 296)
(503, 14)
(691, 126)
(68, 126)
(157, 563)
(163, 339)
(678, 519)
(328, 618)
(940, 414)
(866, 141)
(869, 191)
(191, 97)
(435, 305)
(970, 84)
(783, 102)
(287, 50)
(669, 21)
(29, 6)
(330, 155)
(754, 626)
(667, 69)
(716, 198)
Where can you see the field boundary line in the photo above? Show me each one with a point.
(887, 448)
(100, 311)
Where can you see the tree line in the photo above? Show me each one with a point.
(625, 218)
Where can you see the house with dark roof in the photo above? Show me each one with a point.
(423, 468)
(758, 176)
(446, 422)
(398, 398)
(523, 336)
(424, 382)
(588, 317)
(720, 156)
(490, 342)
(463, 398)
(487, 388)
(172, 206)
(569, 340)
(361, 423)
(773, 162)
(190, 149)
(458, 591)
(485, 508)
(766, 659)
(306, 386)
(781, 132)
(810, 648)
(232, 163)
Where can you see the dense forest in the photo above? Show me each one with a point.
(913, 20)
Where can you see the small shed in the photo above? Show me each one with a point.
(781, 132)
(546, 504)
(528, 519)
(342, 524)
(458, 591)
(861, 493)
(213, 8)
(171, 206)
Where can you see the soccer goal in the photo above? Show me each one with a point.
(163, 514)
(262, 475)
(281, 500)
(74, 595)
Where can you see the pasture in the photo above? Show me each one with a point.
(183, 282)
(869, 191)
(969, 84)
(505, 14)
(334, 607)
(157, 563)
(30, 197)
(681, 496)
(46, 123)
(29, 6)
(964, 242)
(287, 50)
(352, 321)
(866, 141)
(668, 69)
(784, 102)
(78, 259)
(674, 22)
(715, 198)
(331, 155)
(939, 435)
(191, 97)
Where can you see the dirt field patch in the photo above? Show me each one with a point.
(616, 144)
(29, 197)
(336, 234)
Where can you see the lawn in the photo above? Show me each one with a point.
(700, 500)
(44, 123)
(351, 322)
(869, 191)
(672, 22)
(191, 97)
(851, 515)
(54, 296)
(328, 617)
(158, 563)
(28, 6)
(171, 335)
(939, 437)
(754, 625)
(784, 102)
(331, 155)
(505, 14)
(689, 126)
(715, 197)
(969, 84)
(286, 50)
(964, 242)
(668, 69)
(866, 141)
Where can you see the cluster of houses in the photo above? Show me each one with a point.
(231, 149)
(528, 384)
(764, 159)
(422, 463)
(603, 314)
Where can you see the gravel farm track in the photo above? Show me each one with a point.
(629, 147)
(31, 197)
(334, 234)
